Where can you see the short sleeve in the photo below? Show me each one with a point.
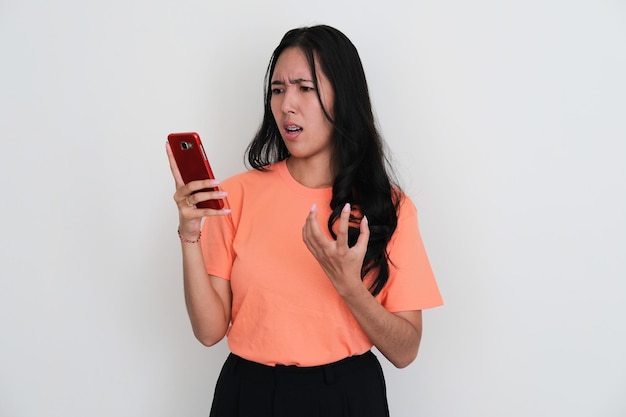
(411, 284)
(218, 234)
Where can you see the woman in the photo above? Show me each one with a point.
(316, 257)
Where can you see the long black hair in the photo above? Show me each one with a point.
(362, 172)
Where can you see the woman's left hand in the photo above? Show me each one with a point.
(396, 335)
(341, 263)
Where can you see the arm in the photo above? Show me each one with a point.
(208, 298)
(395, 335)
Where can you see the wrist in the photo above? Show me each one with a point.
(352, 290)
(188, 238)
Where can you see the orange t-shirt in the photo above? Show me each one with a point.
(285, 309)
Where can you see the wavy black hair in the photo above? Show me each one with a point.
(362, 172)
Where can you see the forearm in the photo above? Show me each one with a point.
(394, 336)
(207, 298)
(397, 336)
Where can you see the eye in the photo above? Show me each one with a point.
(306, 88)
(277, 90)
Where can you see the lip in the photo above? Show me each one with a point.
(291, 135)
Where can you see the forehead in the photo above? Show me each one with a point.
(292, 63)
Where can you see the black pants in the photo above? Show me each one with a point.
(353, 387)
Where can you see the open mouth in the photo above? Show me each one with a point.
(293, 129)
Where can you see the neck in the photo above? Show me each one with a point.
(311, 174)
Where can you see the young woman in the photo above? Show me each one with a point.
(317, 255)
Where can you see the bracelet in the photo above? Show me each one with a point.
(184, 239)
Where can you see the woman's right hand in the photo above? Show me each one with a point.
(190, 216)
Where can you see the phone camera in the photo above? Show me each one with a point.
(186, 145)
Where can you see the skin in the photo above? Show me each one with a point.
(294, 102)
(395, 335)
(208, 298)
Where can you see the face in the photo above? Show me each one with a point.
(297, 111)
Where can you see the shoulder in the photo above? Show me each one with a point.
(251, 177)
(407, 222)
(249, 191)
(249, 184)
(404, 204)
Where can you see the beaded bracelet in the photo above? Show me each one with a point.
(184, 239)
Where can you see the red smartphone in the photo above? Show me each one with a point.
(193, 163)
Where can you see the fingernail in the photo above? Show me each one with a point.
(222, 194)
(314, 207)
(346, 207)
(226, 211)
(215, 182)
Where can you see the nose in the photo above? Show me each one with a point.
(289, 102)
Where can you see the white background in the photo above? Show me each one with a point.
(507, 124)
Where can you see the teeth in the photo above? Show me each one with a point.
(292, 128)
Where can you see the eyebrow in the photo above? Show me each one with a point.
(296, 81)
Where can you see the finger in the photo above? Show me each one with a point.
(364, 235)
(201, 196)
(187, 192)
(212, 212)
(311, 232)
(189, 201)
(342, 228)
(186, 204)
(201, 185)
(178, 179)
(192, 212)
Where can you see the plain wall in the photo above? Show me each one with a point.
(506, 124)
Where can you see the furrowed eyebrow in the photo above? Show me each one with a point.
(296, 81)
